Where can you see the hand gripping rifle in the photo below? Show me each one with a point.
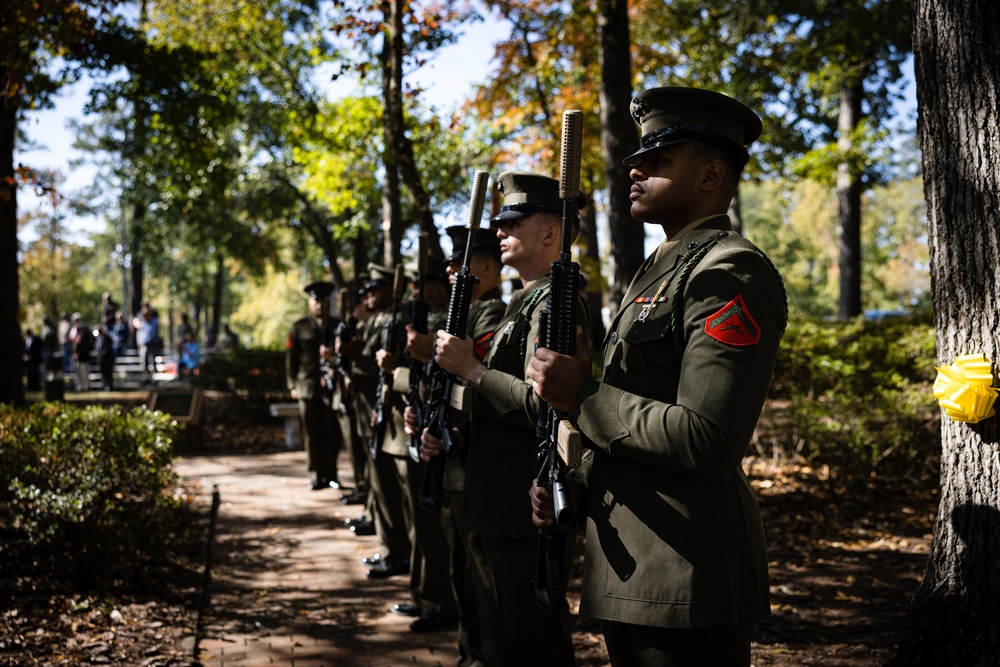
(418, 315)
(435, 416)
(385, 377)
(557, 332)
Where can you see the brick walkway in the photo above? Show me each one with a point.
(287, 586)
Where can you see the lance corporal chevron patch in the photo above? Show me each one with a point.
(482, 345)
(733, 324)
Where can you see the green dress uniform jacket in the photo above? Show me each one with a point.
(304, 374)
(485, 316)
(503, 453)
(674, 533)
(302, 362)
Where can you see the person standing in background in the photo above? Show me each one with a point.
(83, 347)
(675, 560)
(306, 346)
(33, 360)
(104, 352)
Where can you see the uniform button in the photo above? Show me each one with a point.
(692, 245)
(614, 337)
(647, 478)
(723, 235)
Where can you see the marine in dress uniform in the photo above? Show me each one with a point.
(485, 312)
(675, 564)
(433, 600)
(390, 509)
(502, 461)
(355, 314)
(310, 338)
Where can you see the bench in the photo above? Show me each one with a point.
(293, 423)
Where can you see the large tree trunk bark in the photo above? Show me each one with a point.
(849, 206)
(591, 263)
(419, 198)
(220, 283)
(135, 250)
(954, 618)
(11, 342)
(392, 128)
(619, 139)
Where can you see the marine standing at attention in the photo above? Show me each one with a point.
(675, 565)
(502, 461)
(309, 340)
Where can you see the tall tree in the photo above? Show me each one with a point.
(546, 66)
(839, 81)
(618, 140)
(31, 33)
(953, 618)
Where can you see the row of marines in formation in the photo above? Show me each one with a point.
(675, 564)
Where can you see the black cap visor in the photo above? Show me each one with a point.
(518, 211)
(668, 136)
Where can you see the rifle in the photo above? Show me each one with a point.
(435, 416)
(418, 313)
(327, 369)
(557, 332)
(385, 377)
(342, 335)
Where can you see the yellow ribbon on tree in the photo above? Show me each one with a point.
(964, 390)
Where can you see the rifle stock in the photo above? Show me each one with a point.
(436, 417)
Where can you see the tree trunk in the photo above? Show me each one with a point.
(392, 128)
(138, 212)
(11, 342)
(359, 258)
(849, 205)
(619, 139)
(591, 263)
(953, 618)
(220, 282)
(419, 198)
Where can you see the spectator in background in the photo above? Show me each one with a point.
(228, 340)
(50, 339)
(65, 341)
(119, 333)
(183, 328)
(149, 341)
(190, 354)
(108, 310)
(105, 354)
(33, 360)
(83, 347)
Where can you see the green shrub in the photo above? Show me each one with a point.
(857, 397)
(254, 376)
(86, 493)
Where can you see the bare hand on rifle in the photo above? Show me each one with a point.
(543, 512)
(387, 361)
(411, 420)
(558, 377)
(420, 346)
(456, 356)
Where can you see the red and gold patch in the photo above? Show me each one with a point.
(482, 345)
(733, 324)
